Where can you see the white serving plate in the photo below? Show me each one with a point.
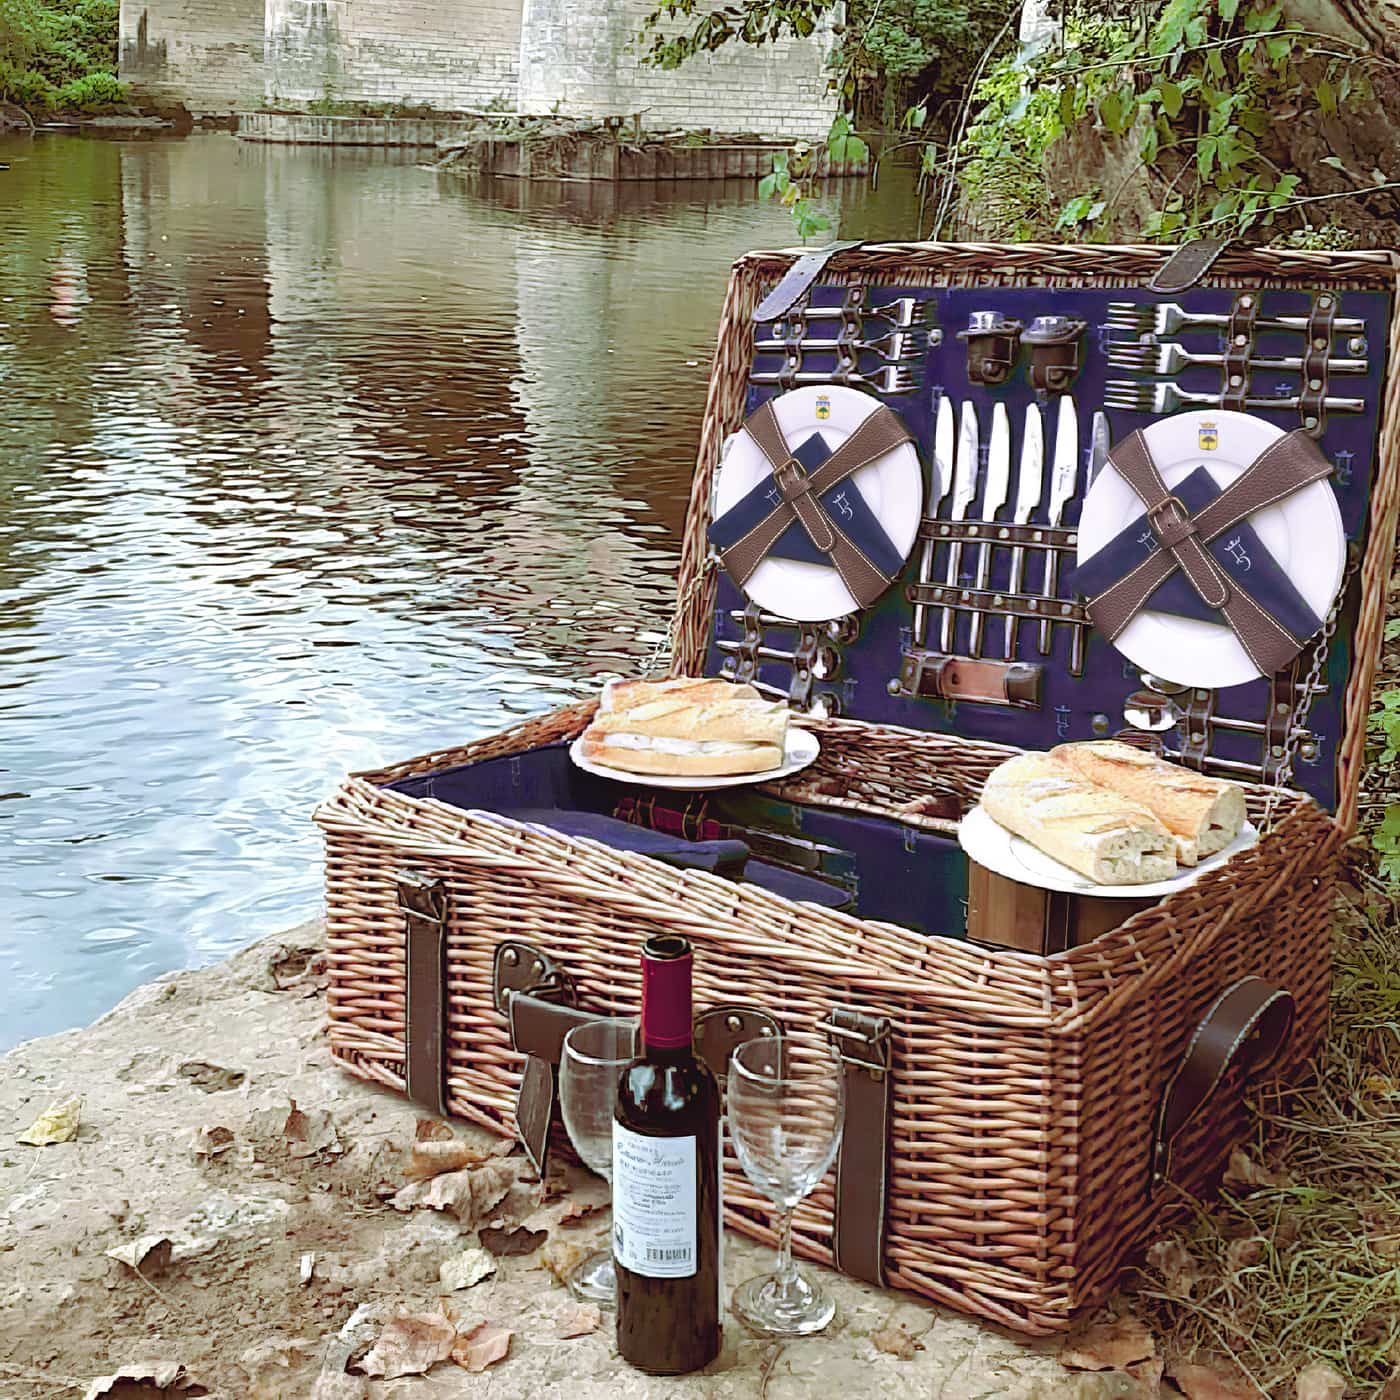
(991, 845)
(1303, 532)
(801, 750)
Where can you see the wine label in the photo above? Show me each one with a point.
(654, 1205)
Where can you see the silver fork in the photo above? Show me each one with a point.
(1166, 318)
(1167, 398)
(894, 347)
(893, 379)
(904, 313)
(1172, 358)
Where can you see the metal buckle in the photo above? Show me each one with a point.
(1176, 503)
(521, 967)
(792, 480)
(844, 1025)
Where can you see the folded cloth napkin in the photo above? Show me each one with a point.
(1247, 564)
(728, 859)
(843, 503)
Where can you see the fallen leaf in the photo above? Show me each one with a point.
(486, 1344)
(1109, 1346)
(57, 1123)
(1176, 1266)
(148, 1254)
(894, 1339)
(1245, 1171)
(213, 1079)
(1319, 1381)
(209, 1142)
(432, 1158)
(432, 1130)
(1198, 1382)
(310, 1133)
(336, 1385)
(409, 1345)
(468, 1195)
(520, 1240)
(156, 1379)
(466, 1270)
(578, 1320)
(1148, 1374)
(268, 1362)
(561, 1257)
(1242, 1254)
(576, 1212)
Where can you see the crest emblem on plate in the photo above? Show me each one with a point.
(823, 408)
(1208, 437)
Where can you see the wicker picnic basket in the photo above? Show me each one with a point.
(1026, 1093)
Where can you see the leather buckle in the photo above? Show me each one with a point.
(792, 480)
(860, 1040)
(1171, 532)
(1175, 503)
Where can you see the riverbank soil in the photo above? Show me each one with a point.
(236, 1213)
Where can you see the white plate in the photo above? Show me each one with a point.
(1303, 532)
(990, 844)
(892, 486)
(802, 749)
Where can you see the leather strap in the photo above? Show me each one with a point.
(1239, 349)
(1312, 404)
(862, 1042)
(1286, 465)
(801, 494)
(797, 280)
(1278, 725)
(1247, 1026)
(1187, 264)
(424, 904)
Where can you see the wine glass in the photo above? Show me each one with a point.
(590, 1069)
(787, 1103)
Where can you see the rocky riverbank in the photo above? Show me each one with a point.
(237, 1217)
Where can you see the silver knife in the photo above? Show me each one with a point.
(964, 490)
(941, 478)
(1063, 475)
(994, 496)
(1099, 443)
(1030, 482)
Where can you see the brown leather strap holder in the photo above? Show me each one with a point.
(1239, 348)
(862, 1042)
(1188, 264)
(1312, 403)
(1246, 1027)
(933, 676)
(800, 499)
(424, 904)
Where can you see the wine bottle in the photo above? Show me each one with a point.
(666, 1182)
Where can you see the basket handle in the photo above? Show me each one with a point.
(1187, 264)
(1247, 1026)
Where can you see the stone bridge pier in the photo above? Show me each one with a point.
(579, 57)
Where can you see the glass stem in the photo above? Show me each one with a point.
(786, 1272)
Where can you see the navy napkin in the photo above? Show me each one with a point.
(843, 502)
(1238, 551)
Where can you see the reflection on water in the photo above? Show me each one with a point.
(310, 460)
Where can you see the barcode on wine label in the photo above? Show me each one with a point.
(668, 1256)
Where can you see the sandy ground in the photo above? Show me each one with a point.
(272, 1257)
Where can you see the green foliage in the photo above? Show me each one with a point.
(60, 54)
(1384, 729)
(790, 182)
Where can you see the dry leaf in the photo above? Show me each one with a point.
(1176, 1266)
(432, 1130)
(466, 1270)
(561, 1257)
(432, 1158)
(1109, 1346)
(268, 1363)
(486, 1344)
(576, 1212)
(57, 1123)
(520, 1240)
(149, 1381)
(148, 1254)
(1319, 1381)
(209, 1142)
(1242, 1254)
(310, 1133)
(1245, 1171)
(466, 1194)
(1199, 1382)
(409, 1345)
(894, 1339)
(213, 1079)
(578, 1320)
(336, 1385)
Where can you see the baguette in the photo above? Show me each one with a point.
(1203, 814)
(707, 761)
(1100, 834)
(624, 694)
(725, 721)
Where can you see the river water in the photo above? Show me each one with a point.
(311, 460)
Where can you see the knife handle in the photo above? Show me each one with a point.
(949, 614)
(1051, 592)
(1018, 571)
